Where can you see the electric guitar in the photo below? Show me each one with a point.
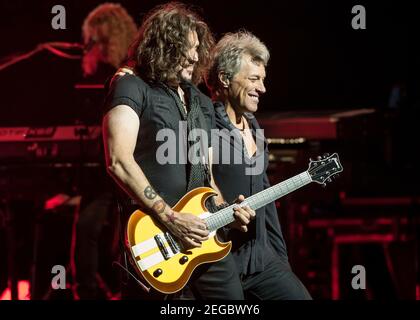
(160, 258)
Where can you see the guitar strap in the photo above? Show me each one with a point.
(199, 173)
(122, 240)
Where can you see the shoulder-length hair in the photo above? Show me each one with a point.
(112, 26)
(162, 44)
(227, 57)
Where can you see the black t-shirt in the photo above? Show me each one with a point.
(264, 237)
(158, 110)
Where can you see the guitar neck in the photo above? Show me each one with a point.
(225, 216)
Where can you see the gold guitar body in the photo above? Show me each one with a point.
(162, 262)
(171, 274)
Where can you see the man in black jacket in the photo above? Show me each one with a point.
(236, 81)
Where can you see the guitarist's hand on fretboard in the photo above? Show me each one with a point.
(243, 215)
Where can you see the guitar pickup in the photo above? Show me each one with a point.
(174, 246)
(161, 246)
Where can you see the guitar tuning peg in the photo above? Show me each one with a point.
(319, 158)
(324, 185)
(329, 180)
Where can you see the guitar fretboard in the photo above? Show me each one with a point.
(225, 216)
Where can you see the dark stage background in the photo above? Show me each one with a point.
(319, 66)
(318, 60)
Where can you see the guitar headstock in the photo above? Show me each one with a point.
(325, 168)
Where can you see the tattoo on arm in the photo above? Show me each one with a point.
(159, 206)
(150, 193)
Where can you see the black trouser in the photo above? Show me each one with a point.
(217, 281)
(212, 281)
(276, 282)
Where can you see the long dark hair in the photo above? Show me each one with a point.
(162, 44)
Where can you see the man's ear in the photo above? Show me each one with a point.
(223, 79)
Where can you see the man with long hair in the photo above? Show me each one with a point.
(169, 58)
(236, 81)
(108, 31)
